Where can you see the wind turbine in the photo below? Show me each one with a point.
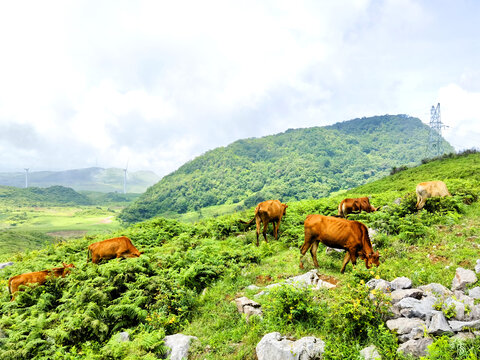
(26, 177)
(125, 179)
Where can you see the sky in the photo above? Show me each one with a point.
(153, 84)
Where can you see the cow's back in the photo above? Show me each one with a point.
(271, 209)
(432, 189)
(332, 231)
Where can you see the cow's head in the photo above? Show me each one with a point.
(284, 208)
(68, 265)
(372, 259)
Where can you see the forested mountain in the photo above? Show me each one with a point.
(91, 179)
(298, 164)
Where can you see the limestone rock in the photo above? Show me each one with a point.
(405, 325)
(310, 278)
(462, 278)
(464, 336)
(274, 346)
(475, 292)
(248, 307)
(123, 336)
(370, 353)
(416, 348)
(477, 266)
(435, 289)
(4, 265)
(398, 295)
(438, 324)
(178, 345)
(401, 283)
(458, 326)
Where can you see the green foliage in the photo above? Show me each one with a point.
(445, 349)
(298, 164)
(35, 196)
(287, 304)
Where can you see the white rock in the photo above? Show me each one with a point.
(416, 348)
(274, 346)
(435, 289)
(401, 283)
(398, 295)
(462, 278)
(474, 293)
(405, 325)
(458, 326)
(370, 353)
(179, 345)
(438, 324)
(4, 265)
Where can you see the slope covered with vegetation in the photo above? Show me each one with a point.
(297, 164)
(35, 196)
(190, 273)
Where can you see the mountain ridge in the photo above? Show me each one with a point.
(306, 163)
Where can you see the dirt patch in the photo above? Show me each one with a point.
(70, 234)
(437, 258)
(467, 264)
(263, 279)
(328, 278)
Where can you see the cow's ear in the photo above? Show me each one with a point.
(64, 265)
(286, 206)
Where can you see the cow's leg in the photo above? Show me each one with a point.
(265, 227)
(257, 219)
(306, 245)
(349, 256)
(421, 204)
(275, 229)
(346, 259)
(313, 252)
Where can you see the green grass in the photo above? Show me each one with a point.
(189, 275)
(30, 228)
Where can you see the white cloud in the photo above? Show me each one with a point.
(160, 82)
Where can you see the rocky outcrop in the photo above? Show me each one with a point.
(430, 310)
(274, 346)
(370, 353)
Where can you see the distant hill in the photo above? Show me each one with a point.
(35, 196)
(89, 179)
(298, 164)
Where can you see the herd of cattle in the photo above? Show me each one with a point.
(333, 231)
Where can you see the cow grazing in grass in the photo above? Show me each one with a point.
(37, 277)
(266, 212)
(112, 248)
(355, 205)
(430, 189)
(339, 234)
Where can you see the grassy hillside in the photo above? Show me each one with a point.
(89, 179)
(297, 164)
(34, 196)
(190, 273)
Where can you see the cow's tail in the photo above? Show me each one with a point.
(9, 286)
(89, 255)
(247, 222)
(340, 209)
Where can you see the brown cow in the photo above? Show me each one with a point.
(37, 277)
(339, 234)
(348, 206)
(266, 212)
(112, 248)
(429, 189)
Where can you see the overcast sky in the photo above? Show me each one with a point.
(157, 83)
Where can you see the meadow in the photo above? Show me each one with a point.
(190, 273)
